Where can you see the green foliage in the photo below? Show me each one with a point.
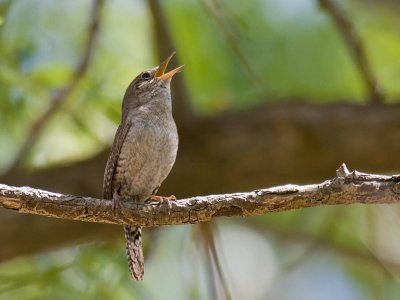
(86, 272)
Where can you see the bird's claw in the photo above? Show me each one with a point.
(162, 199)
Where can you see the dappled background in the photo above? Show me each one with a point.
(273, 92)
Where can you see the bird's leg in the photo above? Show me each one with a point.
(116, 206)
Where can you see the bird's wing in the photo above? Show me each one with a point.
(119, 139)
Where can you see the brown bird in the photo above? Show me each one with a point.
(143, 152)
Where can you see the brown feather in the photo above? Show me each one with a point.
(112, 160)
(132, 233)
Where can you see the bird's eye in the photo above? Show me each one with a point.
(146, 75)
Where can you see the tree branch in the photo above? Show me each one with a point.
(345, 188)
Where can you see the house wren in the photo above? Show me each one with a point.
(143, 152)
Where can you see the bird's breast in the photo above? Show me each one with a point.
(146, 158)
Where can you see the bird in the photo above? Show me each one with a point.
(143, 152)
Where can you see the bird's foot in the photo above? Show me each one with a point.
(162, 199)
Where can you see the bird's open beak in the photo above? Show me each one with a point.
(163, 66)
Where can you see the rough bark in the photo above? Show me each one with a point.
(346, 188)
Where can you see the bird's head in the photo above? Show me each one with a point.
(150, 85)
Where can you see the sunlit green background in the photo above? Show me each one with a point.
(271, 50)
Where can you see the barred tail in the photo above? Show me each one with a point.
(134, 251)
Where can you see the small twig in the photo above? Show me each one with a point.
(353, 188)
(210, 273)
(322, 242)
(61, 95)
(355, 45)
(214, 9)
(206, 232)
(325, 230)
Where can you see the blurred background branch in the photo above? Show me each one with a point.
(219, 283)
(356, 47)
(61, 94)
(234, 38)
(315, 243)
(164, 47)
